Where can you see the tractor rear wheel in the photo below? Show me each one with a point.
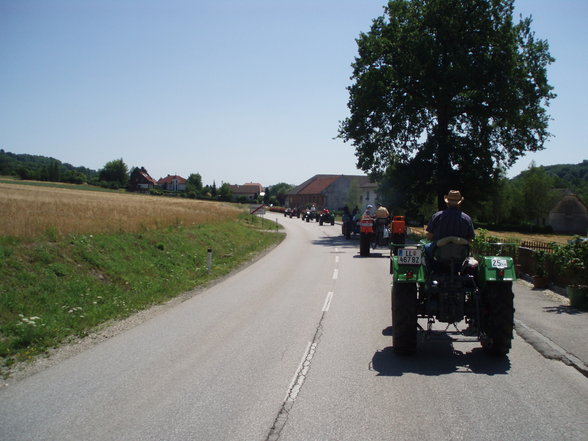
(404, 318)
(497, 318)
(364, 244)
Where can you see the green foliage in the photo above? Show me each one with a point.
(538, 197)
(35, 167)
(225, 193)
(276, 194)
(115, 174)
(539, 257)
(444, 92)
(353, 195)
(572, 259)
(485, 244)
(194, 183)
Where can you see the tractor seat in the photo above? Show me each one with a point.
(452, 248)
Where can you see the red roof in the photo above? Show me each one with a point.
(148, 178)
(250, 188)
(169, 179)
(318, 185)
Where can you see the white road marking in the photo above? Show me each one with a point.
(335, 274)
(327, 304)
(300, 375)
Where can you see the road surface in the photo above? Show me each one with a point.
(295, 347)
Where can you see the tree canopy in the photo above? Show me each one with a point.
(446, 92)
(116, 173)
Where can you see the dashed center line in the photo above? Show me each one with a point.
(303, 367)
(327, 304)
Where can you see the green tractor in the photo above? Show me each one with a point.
(451, 286)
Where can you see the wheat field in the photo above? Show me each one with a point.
(29, 211)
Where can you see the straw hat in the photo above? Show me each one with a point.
(454, 197)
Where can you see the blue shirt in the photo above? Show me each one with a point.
(451, 222)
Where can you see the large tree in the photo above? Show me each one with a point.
(446, 91)
(115, 173)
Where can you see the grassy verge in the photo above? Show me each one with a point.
(58, 287)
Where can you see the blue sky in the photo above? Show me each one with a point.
(237, 91)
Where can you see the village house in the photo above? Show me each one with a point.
(569, 216)
(331, 191)
(173, 183)
(141, 181)
(250, 191)
(369, 193)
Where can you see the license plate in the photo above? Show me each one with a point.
(407, 256)
(499, 263)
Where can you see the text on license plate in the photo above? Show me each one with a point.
(408, 256)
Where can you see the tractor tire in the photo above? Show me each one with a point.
(364, 245)
(404, 318)
(497, 318)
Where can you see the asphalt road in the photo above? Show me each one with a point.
(295, 347)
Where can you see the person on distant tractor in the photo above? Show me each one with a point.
(449, 222)
(382, 214)
(369, 211)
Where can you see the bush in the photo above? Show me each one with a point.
(486, 245)
(572, 261)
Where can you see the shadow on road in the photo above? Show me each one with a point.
(563, 309)
(341, 242)
(335, 241)
(436, 357)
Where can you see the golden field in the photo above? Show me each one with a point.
(29, 211)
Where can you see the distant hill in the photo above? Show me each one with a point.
(576, 174)
(43, 168)
(569, 176)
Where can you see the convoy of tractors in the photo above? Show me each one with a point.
(444, 282)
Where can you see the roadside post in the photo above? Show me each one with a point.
(209, 265)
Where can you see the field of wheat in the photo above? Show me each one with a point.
(29, 211)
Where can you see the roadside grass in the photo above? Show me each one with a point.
(73, 260)
(51, 290)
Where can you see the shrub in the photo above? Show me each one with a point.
(572, 261)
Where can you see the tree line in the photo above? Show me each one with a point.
(521, 203)
(116, 175)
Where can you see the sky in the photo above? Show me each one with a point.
(237, 91)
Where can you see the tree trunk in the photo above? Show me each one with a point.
(443, 166)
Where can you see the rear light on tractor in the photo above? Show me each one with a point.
(500, 274)
(409, 275)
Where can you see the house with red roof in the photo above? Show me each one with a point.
(329, 191)
(141, 181)
(249, 191)
(173, 183)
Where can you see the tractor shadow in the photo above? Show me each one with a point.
(336, 241)
(437, 356)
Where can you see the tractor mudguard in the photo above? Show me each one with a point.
(407, 273)
(496, 269)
